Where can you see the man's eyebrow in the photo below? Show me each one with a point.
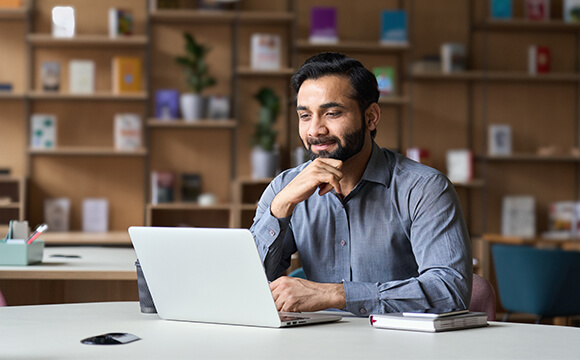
(323, 106)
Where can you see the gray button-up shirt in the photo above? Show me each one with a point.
(397, 242)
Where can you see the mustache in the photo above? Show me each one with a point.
(322, 140)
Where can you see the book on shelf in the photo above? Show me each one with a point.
(162, 187)
(385, 79)
(167, 104)
(459, 165)
(501, 9)
(57, 213)
(518, 216)
(453, 57)
(571, 10)
(10, 4)
(81, 76)
(393, 27)
(563, 219)
(43, 131)
(127, 131)
(127, 74)
(120, 22)
(499, 139)
(95, 215)
(538, 60)
(419, 155)
(537, 10)
(50, 75)
(265, 51)
(5, 87)
(190, 185)
(323, 25)
(404, 321)
(218, 107)
(63, 21)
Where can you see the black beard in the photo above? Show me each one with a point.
(353, 144)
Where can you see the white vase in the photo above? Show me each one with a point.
(264, 163)
(191, 106)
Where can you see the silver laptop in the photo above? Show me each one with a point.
(210, 275)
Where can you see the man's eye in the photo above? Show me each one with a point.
(303, 116)
(333, 113)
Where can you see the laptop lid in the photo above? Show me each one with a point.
(206, 275)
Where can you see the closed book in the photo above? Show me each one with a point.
(120, 22)
(95, 215)
(538, 60)
(57, 213)
(453, 57)
(127, 74)
(81, 76)
(385, 80)
(162, 187)
(12, 4)
(571, 10)
(190, 187)
(43, 131)
(518, 216)
(323, 25)
(265, 51)
(393, 27)
(127, 131)
(50, 76)
(398, 321)
(500, 139)
(167, 104)
(537, 9)
(459, 165)
(501, 9)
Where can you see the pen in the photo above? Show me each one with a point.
(36, 233)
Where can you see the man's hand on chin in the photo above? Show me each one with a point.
(299, 295)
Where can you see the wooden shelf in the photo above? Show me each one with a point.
(87, 40)
(202, 123)
(477, 75)
(192, 16)
(88, 151)
(13, 14)
(248, 71)
(440, 76)
(265, 17)
(528, 25)
(531, 157)
(86, 238)
(9, 95)
(394, 100)
(475, 183)
(105, 96)
(188, 206)
(353, 46)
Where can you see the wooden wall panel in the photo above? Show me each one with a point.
(13, 136)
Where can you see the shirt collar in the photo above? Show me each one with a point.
(379, 167)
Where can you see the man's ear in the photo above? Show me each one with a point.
(373, 116)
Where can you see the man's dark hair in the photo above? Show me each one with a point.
(364, 83)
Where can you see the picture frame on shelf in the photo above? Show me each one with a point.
(500, 139)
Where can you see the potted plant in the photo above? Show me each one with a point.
(265, 157)
(196, 76)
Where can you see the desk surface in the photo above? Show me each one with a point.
(95, 263)
(55, 331)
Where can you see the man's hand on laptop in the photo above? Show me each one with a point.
(299, 295)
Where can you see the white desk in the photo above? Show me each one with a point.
(98, 274)
(55, 331)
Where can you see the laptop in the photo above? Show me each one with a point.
(211, 276)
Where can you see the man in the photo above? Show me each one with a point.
(375, 231)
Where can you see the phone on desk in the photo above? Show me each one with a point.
(435, 313)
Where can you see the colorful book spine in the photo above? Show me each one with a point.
(501, 9)
(393, 27)
(323, 25)
(127, 74)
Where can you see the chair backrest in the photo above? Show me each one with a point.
(2, 300)
(483, 297)
(544, 282)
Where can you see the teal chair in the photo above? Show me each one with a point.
(298, 273)
(542, 282)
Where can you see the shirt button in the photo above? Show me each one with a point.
(272, 233)
(342, 242)
(363, 310)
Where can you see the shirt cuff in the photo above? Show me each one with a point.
(270, 228)
(362, 299)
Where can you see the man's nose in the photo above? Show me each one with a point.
(317, 127)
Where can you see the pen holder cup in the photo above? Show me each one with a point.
(20, 253)
(145, 299)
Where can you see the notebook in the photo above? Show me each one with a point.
(211, 276)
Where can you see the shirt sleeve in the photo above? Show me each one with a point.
(273, 236)
(442, 249)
